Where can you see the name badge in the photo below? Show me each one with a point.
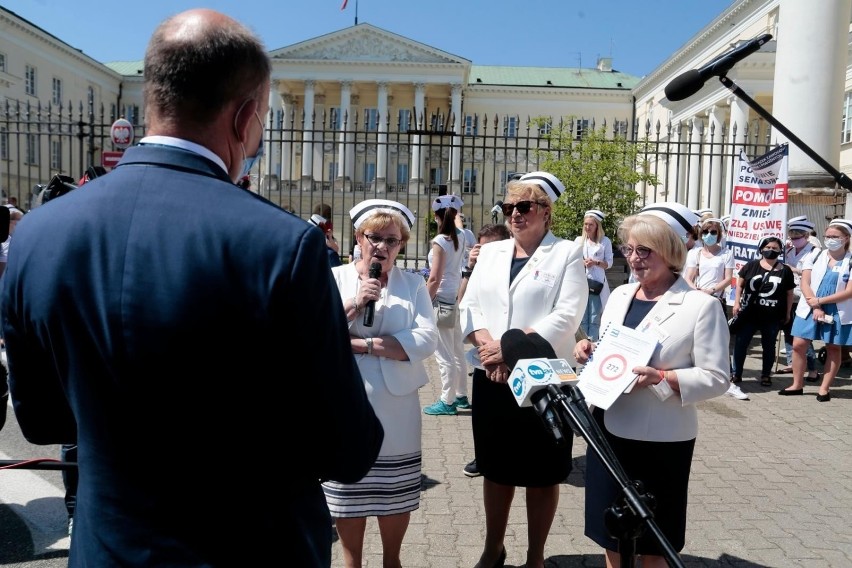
(836, 267)
(546, 278)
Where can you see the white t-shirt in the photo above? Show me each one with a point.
(448, 287)
(711, 269)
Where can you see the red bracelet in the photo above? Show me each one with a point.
(662, 375)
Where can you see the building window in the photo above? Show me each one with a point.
(846, 128)
(510, 126)
(469, 184)
(545, 127)
(56, 155)
(91, 96)
(112, 111)
(402, 173)
(57, 91)
(621, 128)
(371, 119)
(31, 156)
(30, 81)
(4, 144)
(332, 170)
(369, 172)
(2, 62)
(404, 120)
(335, 118)
(505, 175)
(581, 126)
(470, 125)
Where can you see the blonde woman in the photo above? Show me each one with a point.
(597, 258)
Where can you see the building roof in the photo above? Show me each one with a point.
(570, 77)
(126, 67)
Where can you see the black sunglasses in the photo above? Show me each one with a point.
(712, 232)
(523, 207)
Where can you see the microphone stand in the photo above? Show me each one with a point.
(627, 518)
(842, 179)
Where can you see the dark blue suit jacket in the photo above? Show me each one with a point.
(189, 335)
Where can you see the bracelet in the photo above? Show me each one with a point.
(369, 342)
(662, 375)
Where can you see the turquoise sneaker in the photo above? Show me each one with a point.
(462, 402)
(440, 408)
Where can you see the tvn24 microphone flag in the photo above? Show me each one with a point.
(758, 205)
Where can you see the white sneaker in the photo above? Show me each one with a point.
(736, 392)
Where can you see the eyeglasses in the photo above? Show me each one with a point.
(641, 252)
(376, 240)
(711, 231)
(523, 207)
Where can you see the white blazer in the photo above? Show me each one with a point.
(406, 315)
(549, 295)
(693, 341)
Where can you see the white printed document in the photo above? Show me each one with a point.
(609, 372)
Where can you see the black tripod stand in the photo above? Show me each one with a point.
(631, 515)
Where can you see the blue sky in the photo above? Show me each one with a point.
(638, 34)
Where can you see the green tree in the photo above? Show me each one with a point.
(598, 173)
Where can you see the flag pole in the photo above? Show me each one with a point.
(356, 12)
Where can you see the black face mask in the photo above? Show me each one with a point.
(770, 254)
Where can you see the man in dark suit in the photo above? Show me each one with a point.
(188, 334)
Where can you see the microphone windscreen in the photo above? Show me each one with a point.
(684, 85)
(543, 346)
(375, 270)
(516, 345)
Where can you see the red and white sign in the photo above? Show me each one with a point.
(110, 159)
(121, 133)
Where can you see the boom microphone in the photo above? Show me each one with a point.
(370, 308)
(689, 83)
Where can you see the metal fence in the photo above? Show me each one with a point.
(341, 160)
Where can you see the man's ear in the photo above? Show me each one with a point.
(243, 117)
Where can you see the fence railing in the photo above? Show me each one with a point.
(340, 161)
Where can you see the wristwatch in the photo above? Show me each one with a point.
(467, 271)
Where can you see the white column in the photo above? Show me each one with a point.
(737, 124)
(308, 136)
(416, 159)
(712, 185)
(455, 181)
(810, 74)
(693, 187)
(287, 157)
(319, 163)
(272, 165)
(382, 140)
(346, 124)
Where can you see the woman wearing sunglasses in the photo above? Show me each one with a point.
(534, 282)
(652, 430)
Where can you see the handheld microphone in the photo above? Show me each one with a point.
(370, 308)
(689, 83)
(498, 208)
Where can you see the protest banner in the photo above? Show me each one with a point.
(758, 205)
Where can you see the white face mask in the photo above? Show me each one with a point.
(833, 244)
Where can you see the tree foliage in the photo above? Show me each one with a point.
(598, 173)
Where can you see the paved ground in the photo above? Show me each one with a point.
(770, 487)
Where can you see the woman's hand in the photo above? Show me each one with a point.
(647, 376)
(474, 254)
(583, 351)
(498, 373)
(490, 353)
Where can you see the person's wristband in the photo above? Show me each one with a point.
(369, 342)
(466, 273)
(662, 376)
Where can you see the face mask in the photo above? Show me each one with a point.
(709, 239)
(799, 242)
(770, 254)
(833, 244)
(248, 163)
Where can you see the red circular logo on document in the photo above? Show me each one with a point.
(612, 367)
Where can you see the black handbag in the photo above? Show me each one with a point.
(595, 287)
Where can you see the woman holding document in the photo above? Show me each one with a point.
(652, 429)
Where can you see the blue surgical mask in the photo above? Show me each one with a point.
(249, 162)
(833, 244)
(709, 239)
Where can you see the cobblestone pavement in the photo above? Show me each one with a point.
(770, 486)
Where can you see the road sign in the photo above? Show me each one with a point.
(121, 133)
(110, 159)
